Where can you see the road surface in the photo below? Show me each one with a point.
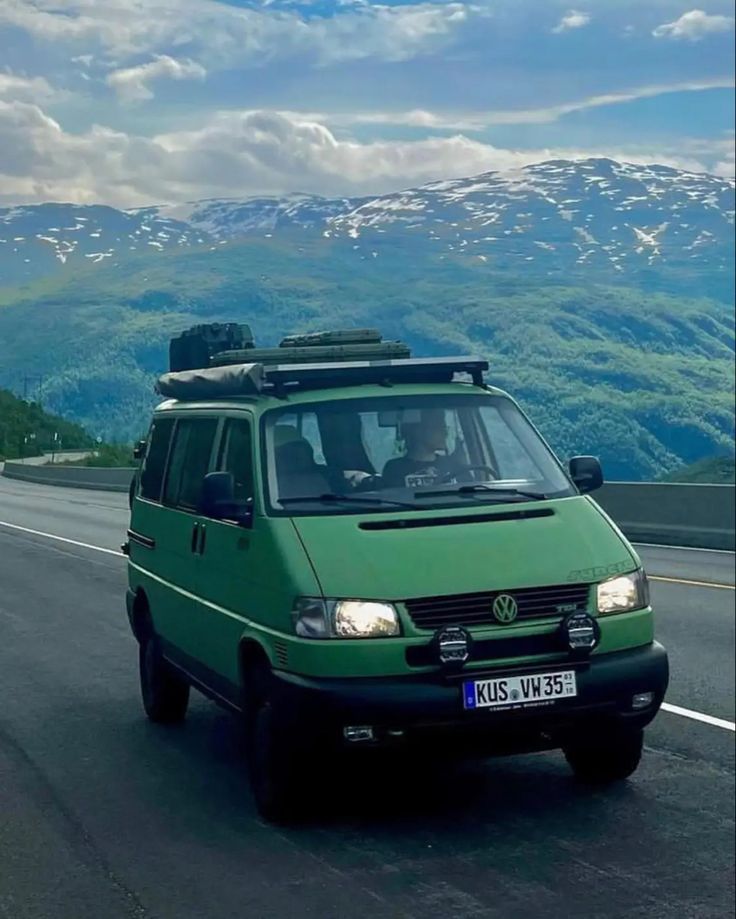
(105, 815)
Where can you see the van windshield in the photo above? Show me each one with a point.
(396, 451)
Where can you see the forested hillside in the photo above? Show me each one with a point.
(26, 430)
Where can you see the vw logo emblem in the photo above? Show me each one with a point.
(505, 608)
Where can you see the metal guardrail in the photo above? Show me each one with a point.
(92, 477)
(699, 516)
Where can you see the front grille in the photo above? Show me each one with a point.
(477, 609)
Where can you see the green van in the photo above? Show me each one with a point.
(354, 550)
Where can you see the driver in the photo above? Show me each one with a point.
(425, 461)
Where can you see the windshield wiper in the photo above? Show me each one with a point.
(331, 498)
(479, 488)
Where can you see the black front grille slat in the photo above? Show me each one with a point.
(476, 609)
(540, 596)
(482, 604)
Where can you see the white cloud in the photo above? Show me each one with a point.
(24, 89)
(219, 34)
(573, 19)
(239, 153)
(477, 121)
(693, 26)
(719, 151)
(131, 83)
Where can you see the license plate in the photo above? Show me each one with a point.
(526, 691)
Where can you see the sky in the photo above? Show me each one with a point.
(137, 102)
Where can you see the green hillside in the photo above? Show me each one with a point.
(26, 430)
(713, 470)
(641, 378)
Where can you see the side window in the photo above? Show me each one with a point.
(190, 461)
(152, 472)
(237, 456)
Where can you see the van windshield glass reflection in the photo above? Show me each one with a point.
(420, 451)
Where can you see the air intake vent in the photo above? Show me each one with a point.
(414, 523)
(281, 653)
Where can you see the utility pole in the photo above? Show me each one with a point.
(28, 381)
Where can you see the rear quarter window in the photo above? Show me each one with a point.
(154, 464)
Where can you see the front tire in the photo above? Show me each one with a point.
(279, 760)
(165, 694)
(600, 759)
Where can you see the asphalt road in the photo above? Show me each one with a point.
(105, 815)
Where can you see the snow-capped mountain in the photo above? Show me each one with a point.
(561, 213)
(550, 218)
(39, 240)
(228, 218)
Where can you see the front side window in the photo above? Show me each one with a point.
(236, 456)
(398, 451)
(189, 462)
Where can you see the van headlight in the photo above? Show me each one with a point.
(623, 593)
(316, 618)
(365, 619)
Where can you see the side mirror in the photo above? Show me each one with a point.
(139, 449)
(586, 473)
(218, 501)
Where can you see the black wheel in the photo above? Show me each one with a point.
(165, 694)
(603, 758)
(278, 760)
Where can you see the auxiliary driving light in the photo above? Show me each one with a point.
(581, 633)
(358, 733)
(452, 646)
(641, 700)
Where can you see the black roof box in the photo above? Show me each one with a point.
(195, 347)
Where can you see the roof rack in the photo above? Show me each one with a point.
(253, 379)
(347, 373)
(312, 360)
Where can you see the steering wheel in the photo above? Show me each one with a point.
(453, 473)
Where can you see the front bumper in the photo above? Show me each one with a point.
(419, 707)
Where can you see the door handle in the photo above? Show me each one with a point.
(202, 538)
(195, 537)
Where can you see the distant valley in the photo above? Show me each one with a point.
(600, 291)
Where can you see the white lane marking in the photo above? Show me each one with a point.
(657, 545)
(689, 583)
(72, 542)
(699, 716)
(672, 709)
